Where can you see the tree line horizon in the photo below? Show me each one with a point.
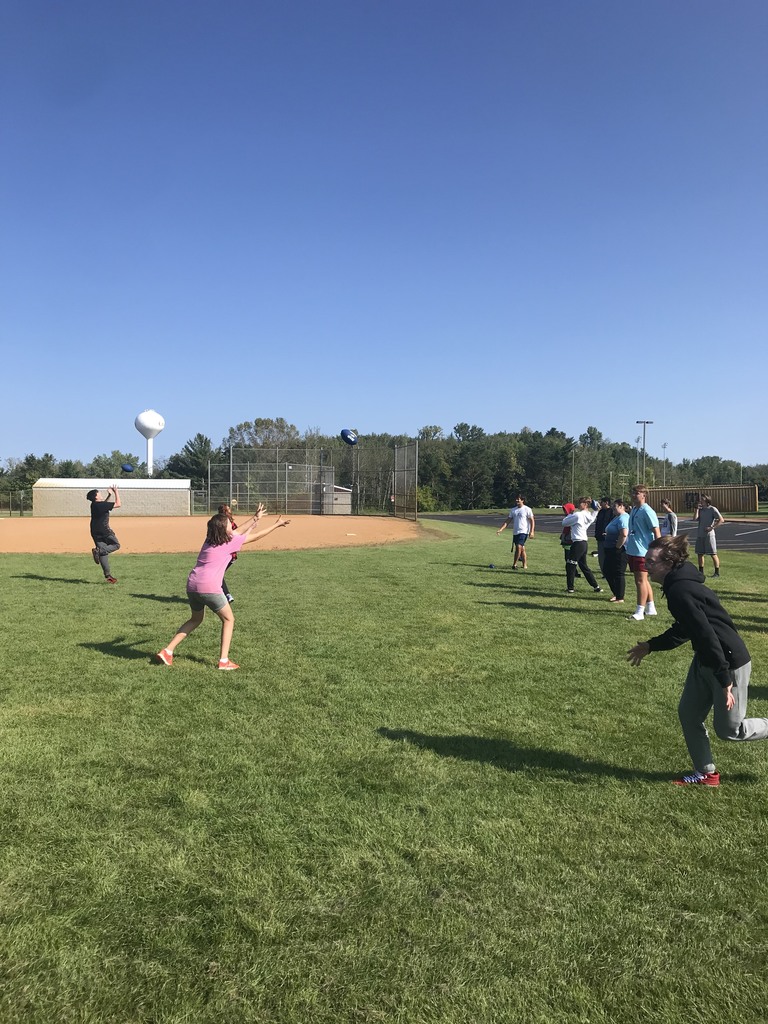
(463, 469)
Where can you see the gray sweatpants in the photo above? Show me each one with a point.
(701, 693)
(105, 545)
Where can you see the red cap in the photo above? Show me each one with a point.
(568, 508)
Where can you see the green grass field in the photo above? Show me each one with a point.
(435, 792)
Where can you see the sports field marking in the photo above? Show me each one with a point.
(747, 533)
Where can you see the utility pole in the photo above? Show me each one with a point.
(645, 424)
(664, 481)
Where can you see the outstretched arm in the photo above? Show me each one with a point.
(251, 537)
(117, 495)
(249, 524)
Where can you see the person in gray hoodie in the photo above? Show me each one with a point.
(719, 673)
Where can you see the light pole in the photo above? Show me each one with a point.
(645, 424)
(664, 481)
(637, 459)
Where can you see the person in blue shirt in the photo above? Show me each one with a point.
(643, 530)
(614, 555)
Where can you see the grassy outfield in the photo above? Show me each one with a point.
(434, 794)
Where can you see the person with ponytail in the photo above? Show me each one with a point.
(718, 677)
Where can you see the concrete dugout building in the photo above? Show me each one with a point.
(56, 497)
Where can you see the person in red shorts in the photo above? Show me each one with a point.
(643, 530)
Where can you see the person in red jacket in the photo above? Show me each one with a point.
(719, 673)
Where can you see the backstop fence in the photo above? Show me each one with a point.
(314, 481)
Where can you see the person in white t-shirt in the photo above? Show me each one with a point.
(523, 524)
(579, 522)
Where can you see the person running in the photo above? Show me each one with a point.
(101, 532)
(614, 555)
(669, 526)
(523, 526)
(204, 588)
(719, 673)
(225, 510)
(643, 528)
(579, 522)
(708, 518)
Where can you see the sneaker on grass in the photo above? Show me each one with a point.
(165, 657)
(698, 779)
(227, 665)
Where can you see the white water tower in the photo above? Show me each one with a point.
(149, 424)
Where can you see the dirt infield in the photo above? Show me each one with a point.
(147, 534)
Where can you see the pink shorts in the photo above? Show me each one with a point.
(637, 563)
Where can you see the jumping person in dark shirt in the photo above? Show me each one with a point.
(103, 538)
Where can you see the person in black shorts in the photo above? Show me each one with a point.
(103, 538)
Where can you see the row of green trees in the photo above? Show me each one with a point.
(465, 468)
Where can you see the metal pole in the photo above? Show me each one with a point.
(644, 423)
(573, 470)
(209, 486)
(664, 480)
(231, 474)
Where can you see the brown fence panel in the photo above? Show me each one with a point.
(733, 498)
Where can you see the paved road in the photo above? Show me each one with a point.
(750, 535)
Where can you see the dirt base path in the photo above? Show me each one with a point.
(146, 534)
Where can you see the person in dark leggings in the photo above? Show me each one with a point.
(225, 510)
(103, 538)
(579, 522)
(614, 555)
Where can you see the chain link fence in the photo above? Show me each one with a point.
(314, 481)
(14, 502)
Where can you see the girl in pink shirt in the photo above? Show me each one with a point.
(204, 582)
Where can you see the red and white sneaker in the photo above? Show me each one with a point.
(110, 579)
(699, 779)
(165, 657)
(228, 666)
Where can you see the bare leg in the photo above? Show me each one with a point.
(191, 624)
(227, 628)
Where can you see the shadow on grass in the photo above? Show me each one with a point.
(759, 626)
(118, 648)
(572, 605)
(510, 758)
(500, 567)
(54, 579)
(164, 598)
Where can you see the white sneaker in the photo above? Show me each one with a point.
(638, 616)
(650, 609)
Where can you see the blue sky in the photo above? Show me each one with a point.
(383, 215)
